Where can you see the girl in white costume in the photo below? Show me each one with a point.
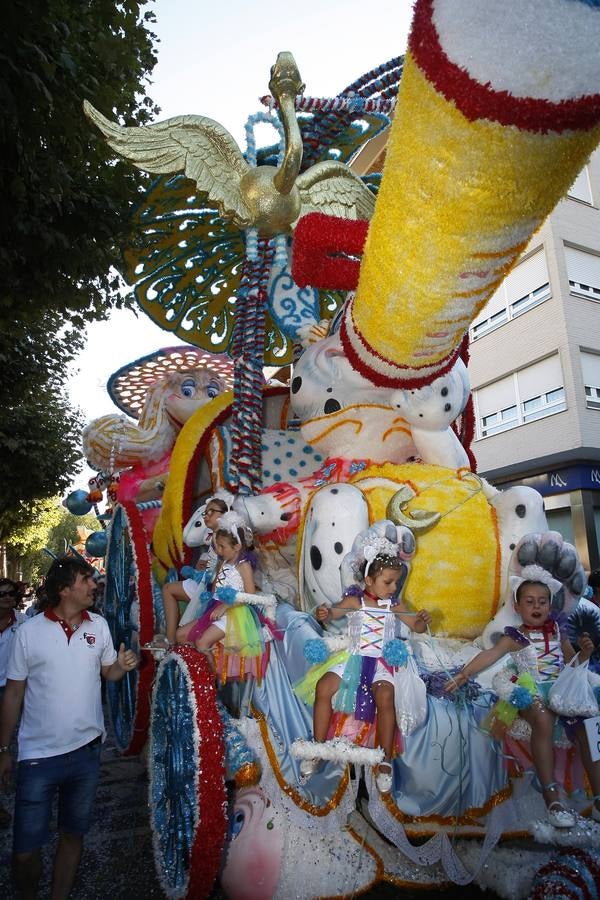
(374, 628)
(539, 650)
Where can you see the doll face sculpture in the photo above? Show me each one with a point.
(187, 391)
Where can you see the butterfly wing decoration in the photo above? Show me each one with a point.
(184, 262)
(186, 247)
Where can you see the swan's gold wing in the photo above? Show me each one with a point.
(197, 146)
(331, 187)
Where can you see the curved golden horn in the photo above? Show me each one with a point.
(417, 519)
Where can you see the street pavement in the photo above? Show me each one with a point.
(117, 859)
(117, 862)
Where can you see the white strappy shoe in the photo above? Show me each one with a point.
(558, 814)
(383, 780)
(308, 767)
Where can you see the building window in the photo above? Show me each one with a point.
(522, 397)
(583, 269)
(580, 189)
(526, 286)
(590, 366)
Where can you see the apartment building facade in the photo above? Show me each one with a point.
(535, 370)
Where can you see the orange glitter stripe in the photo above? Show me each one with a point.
(496, 254)
(387, 433)
(292, 793)
(316, 438)
(467, 818)
(480, 290)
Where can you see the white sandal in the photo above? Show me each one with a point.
(558, 814)
(384, 780)
(309, 766)
(158, 646)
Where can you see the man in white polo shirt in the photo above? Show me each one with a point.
(54, 675)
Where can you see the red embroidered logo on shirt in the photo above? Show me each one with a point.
(90, 638)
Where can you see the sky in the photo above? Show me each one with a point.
(214, 60)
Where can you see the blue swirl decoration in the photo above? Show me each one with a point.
(174, 766)
(120, 594)
(292, 306)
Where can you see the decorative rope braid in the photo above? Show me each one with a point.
(342, 103)
(363, 82)
(324, 129)
(247, 351)
(270, 118)
(149, 504)
(248, 340)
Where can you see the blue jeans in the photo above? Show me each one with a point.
(75, 775)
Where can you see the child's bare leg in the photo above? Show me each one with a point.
(383, 694)
(206, 642)
(542, 723)
(591, 767)
(182, 633)
(171, 607)
(326, 688)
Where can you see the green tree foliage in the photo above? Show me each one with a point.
(64, 206)
(39, 432)
(51, 527)
(64, 209)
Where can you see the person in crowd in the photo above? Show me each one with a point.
(189, 590)
(53, 683)
(10, 619)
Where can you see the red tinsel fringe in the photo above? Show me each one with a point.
(480, 101)
(146, 668)
(326, 251)
(211, 831)
(375, 376)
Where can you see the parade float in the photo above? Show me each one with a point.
(284, 256)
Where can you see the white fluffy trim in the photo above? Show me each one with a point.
(337, 642)
(543, 48)
(267, 601)
(337, 750)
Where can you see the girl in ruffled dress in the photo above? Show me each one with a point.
(366, 678)
(229, 631)
(189, 589)
(540, 651)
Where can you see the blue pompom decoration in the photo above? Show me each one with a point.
(96, 543)
(315, 651)
(395, 652)
(205, 597)
(226, 595)
(521, 698)
(77, 503)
